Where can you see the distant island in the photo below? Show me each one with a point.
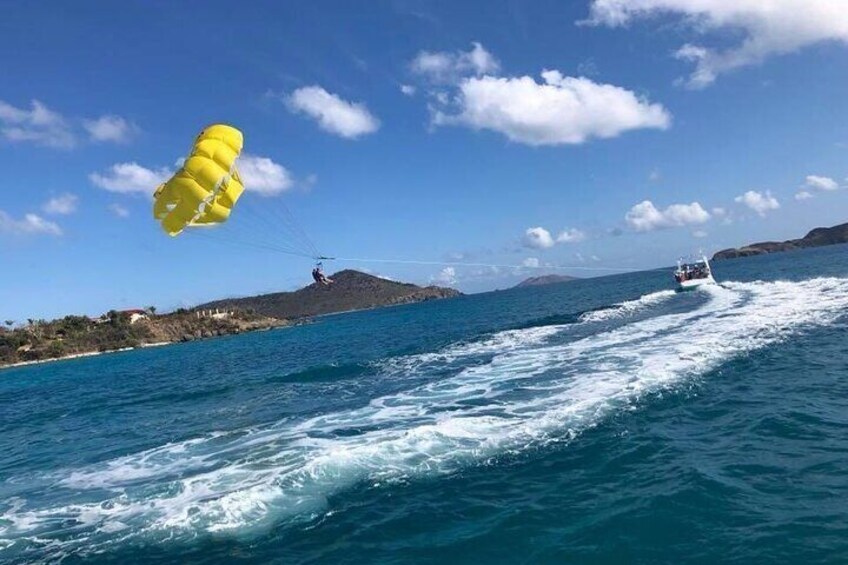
(544, 279)
(351, 290)
(818, 237)
(117, 330)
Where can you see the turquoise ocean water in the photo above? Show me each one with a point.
(605, 420)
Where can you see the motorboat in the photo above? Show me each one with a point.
(693, 274)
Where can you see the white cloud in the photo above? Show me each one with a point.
(559, 110)
(39, 125)
(408, 89)
(646, 217)
(263, 176)
(803, 195)
(538, 238)
(43, 126)
(824, 184)
(128, 178)
(119, 211)
(700, 234)
(531, 262)
(30, 224)
(62, 205)
(572, 235)
(260, 175)
(333, 114)
(110, 129)
(768, 27)
(759, 202)
(447, 67)
(446, 276)
(655, 175)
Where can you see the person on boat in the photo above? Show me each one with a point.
(319, 277)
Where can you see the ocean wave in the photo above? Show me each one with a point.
(533, 390)
(324, 373)
(627, 308)
(458, 355)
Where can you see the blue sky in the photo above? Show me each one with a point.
(415, 131)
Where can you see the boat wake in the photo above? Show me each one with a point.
(628, 308)
(514, 391)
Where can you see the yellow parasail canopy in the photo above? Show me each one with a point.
(204, 191)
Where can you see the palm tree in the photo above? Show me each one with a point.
(10, 323)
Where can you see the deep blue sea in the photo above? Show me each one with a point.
(598, 421)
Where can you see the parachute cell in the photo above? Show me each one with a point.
(207, 186)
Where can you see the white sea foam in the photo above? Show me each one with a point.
(629, 307)
(497, 343)
(535, 389)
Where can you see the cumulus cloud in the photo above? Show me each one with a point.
(408, 89)
(30, 224)
(824, 184)
(559, 110)
(813, 184)
(130, 178)
(700, 234)
(263, 176)
(538, 238)
(759, 202)
(110, 128)
(119, 211)
(572, 235)
(768, 27)
(646, 217)
(448, 67)
(446, 276)
(38, 124)
(531, 263)
(333, 114)
(61, 205)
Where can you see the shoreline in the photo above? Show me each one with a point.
(78, 356)
(140, 346)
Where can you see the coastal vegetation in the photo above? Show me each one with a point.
(41, 340)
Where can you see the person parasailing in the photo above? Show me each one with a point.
(319, 276)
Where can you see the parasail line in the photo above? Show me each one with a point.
(461, 264)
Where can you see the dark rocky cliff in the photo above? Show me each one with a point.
(816, 238)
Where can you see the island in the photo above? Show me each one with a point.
(545, 280)
(818, 237)
(118, 330)
(38, 341)
(351, 290)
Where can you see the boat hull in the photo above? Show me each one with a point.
(695, 283)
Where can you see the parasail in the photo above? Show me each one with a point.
(207, 186)
(204, 191)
